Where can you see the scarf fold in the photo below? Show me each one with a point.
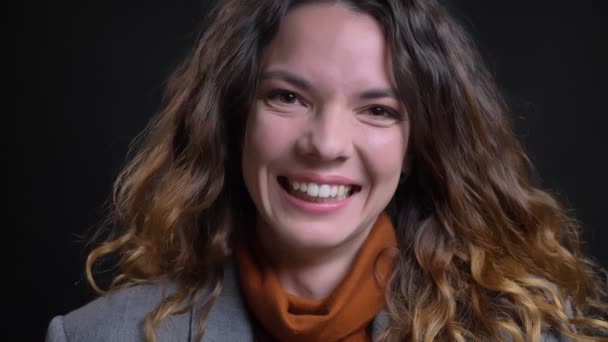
(343, 316)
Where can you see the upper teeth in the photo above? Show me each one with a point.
(321, 190)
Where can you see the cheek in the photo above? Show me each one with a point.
(385, 152)
(268, 137)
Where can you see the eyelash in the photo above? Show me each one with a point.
(389, 113)
(274, 94)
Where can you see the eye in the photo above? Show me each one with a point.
(382, 112)
(282, 96)
(380, 116)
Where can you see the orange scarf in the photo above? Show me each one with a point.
(343, 316)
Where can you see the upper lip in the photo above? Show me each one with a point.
(319, 179)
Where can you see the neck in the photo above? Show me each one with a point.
(313, 274)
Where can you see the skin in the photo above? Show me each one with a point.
(325, 128)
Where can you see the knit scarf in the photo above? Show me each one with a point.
(343, 316)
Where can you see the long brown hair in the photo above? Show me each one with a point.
(485, 253)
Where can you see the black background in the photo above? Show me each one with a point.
(95, 72)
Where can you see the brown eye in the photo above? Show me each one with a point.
(381, 112)
(282, 96)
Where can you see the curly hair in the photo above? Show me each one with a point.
(484, 252)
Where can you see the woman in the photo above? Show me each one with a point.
(337, 170)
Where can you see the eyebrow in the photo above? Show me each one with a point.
(297, 81)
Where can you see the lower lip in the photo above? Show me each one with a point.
(316, 207)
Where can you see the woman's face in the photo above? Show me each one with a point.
(326, 137)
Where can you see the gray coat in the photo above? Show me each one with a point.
(119, 317)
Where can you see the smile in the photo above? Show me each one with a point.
(318, 192)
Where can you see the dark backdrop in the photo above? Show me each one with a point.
(95, 75)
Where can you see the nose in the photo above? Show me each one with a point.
(327, 137)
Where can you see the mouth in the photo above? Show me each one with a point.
(317, 192)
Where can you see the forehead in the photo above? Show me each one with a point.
(330, 44)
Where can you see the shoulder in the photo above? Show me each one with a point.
(118, 316)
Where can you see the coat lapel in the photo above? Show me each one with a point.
(379, 325)
(228, 319)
